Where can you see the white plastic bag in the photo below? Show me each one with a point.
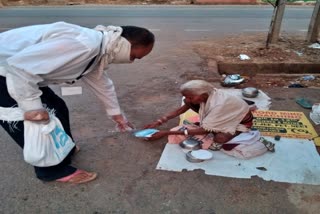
(315, 113)
(11, 114)
(244, 57)
(46, 144)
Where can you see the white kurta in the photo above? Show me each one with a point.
(55, 53)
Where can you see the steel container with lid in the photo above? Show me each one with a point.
(250, 92)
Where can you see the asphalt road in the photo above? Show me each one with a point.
(170, 23)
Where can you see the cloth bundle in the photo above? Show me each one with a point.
(250, 145)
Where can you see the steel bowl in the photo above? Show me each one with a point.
(250, 92)
(191, 144)
(192, 159)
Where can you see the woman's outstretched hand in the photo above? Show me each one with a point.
(156, 123)
(152, 125)
(157, 135)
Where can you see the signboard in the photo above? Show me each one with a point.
(288, 124)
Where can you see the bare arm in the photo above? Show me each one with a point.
(168, 116)
(160, 134)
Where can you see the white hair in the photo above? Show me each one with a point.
(197, 87)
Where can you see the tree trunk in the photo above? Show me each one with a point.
(275, 25)
(314, 26)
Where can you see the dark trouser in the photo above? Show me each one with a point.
(52, 101)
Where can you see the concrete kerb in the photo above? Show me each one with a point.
(251, 69)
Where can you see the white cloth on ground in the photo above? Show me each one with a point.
(295, 161)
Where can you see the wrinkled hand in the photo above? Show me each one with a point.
(157, 135)
(122, 123)
(39, 116)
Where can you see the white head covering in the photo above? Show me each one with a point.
(115, 48)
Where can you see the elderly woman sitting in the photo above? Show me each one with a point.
(222, 117)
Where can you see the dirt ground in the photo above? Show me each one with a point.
(128, 181)
(289, 49)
